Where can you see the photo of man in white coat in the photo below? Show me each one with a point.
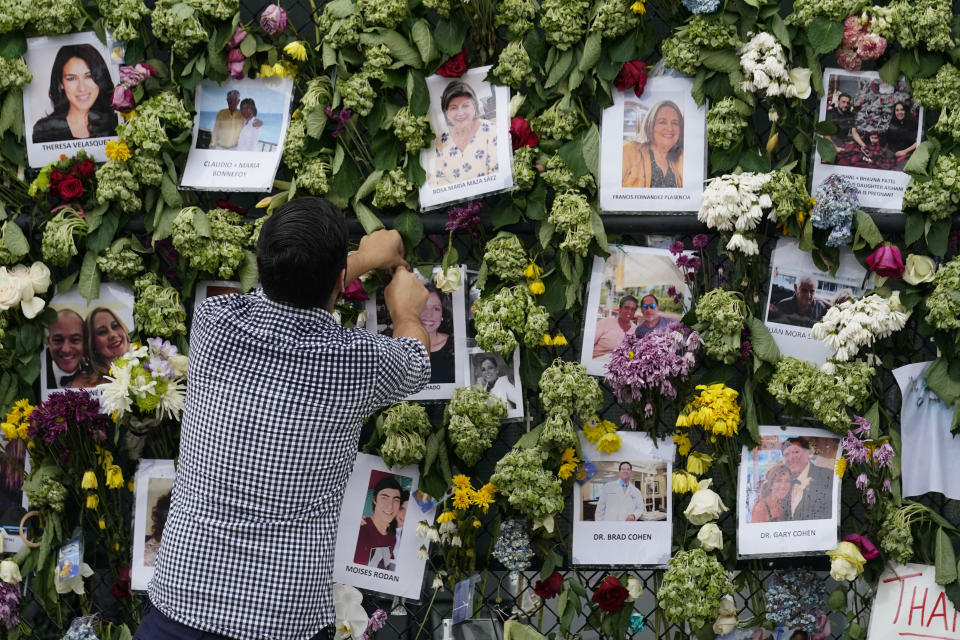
(620, 501)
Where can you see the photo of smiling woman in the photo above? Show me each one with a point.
(437, 319)
(467, 146)
(655, 157)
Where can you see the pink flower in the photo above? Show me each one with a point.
(235, 61)
(867, 548)
(273, 20)
(122, 99)
(355, 291)
(886, 261)
(238, 35)
(871, 46)
(852, 32)
(847, 58)
(823, 627)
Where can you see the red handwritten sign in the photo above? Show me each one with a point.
(910, 604)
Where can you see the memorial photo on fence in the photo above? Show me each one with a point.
(633, 292)
(489, 371)
(67, 107)
(789, 491)
(14, 464)
(154, 486)
(86, 336)
(238, 134)
(443, 318)
(625, 499)
(800, 295)
(875, 128)
(652, 152)
(471, 153)
(210, 288)
(376, 539)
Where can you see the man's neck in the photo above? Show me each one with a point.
(380, 525)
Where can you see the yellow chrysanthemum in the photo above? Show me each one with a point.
(22, 431)
(840, 467)
(446, 516)
(566, 470)
(266, 71)
(532, 272)
(537, 288)
(715, 409)
(639, 7)
(23, 406)
(546, 341)
(89, 480)
(118, 150)
(9, 431)
(477, 524)
(683, 443)
(684, 482)
(460, 481)
(482, 499)
(593, 433)
(104, 457)
(102, 524)
(699, 463)
(296, 50)
(569, 456)
(461, 498)
(93, 501)
(609, 443)
(114, 477)
(281, 70)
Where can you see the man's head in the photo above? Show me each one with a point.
(233, 99)
(796, 454)
(843, 102)
(302, 253)
(625, 469)
(650, 308)
(402, 513)
(804, 290)
(66, 340)
(386, 500)
(628, 308)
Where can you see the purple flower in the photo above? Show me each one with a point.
(746, 348)
(693, 263)
(883, 455)
(701, 240)
(677, 247)
(871, 496)
(862, 481)
(467, 217)
(377, 620)
(341, 119)
(132, 76)
(235, 60)
(122, 99)
(643, 369)
(273, 20)
(855, 449)
(238, 35)
(67, 413)
(9, 604)
(886, 486)
(863, 426)
(683, 261)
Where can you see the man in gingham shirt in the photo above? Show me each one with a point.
(276, 395)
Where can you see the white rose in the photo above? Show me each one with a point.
(179, 365)
(9, 290)
(705, 505)
(32, 306)
(40, 276)
(726, 617)
(10, 572)
(448, 280)
(635, 587)
(918, 269)
(21, 274)
(800, 79)
(710, 537)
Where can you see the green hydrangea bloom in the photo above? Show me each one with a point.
(572, 216)
(357, 94)
(178, 29)
(119, 261)
(383, 13)
(313, 176)
(938, 197)
(805, 11)
(513, 66)
(517, 16)
(788, 191)
(442, 7)
(692, 588)
(294, 144)
(14, 14)
(218, 252)
(557, 122)
(505, 258)
(614, 18)
(123, 17)
(14, 74)
(509, 317)
(563, 21)
(115, 183)
(720, 316)
(392, 189)
(473, 418)
(59, 237)
(566, 390)
(53, 17)
(528, 487)
(405, 425)
(943, 305)
(413, 131)
(725, 123)
(826, 395)
(524, 171)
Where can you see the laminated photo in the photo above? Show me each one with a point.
(928, 451)
(800, 295)
(472, 154)
(653, 149)
(443, 318)
(238, 134)
(14, 465)
(154, 484)
(67, 106)
(86, 336)
(789, 493)
(377, 543)
(633, 292)
(878, 127)
(622, 514)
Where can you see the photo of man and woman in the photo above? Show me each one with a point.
(384, 514)
(877, 128)
(84, 339)
(635, 291)
(625, 491)
(232, 122)
(68, 105)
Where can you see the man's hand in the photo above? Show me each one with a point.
(405, 297)
(631, 517)
(381, 249)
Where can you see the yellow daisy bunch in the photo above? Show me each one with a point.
(595, 428)
(715, 409)
(609, 443)
(16, 422)
(568, 463)
(484, 497)
(118, 150)
(683, 443)
(684, 482)
(699, 463)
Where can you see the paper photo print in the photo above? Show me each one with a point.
(633, 292)
(652, 149)
(878, 127)
(67, 106)
(788, 492)
(443, 318)
(376, 540)
(82, 342)
(928, 451)
(210, 288)
(472, 154)
(154, 484)
(622, 513)
(800, 295)
(14, 464)
(238, 134)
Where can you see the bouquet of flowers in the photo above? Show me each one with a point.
(796, 598)
(871, 459)
(473, 420)
(736, 203)
(70, 181)
(405, 425)
(854, 324)
(692, 588)
(825, 393)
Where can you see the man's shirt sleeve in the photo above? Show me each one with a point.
(403, 369)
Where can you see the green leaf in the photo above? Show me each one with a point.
(625, 49)
(599, 233)
(828, 152)
(368, 186)
(779, 29)
(937, 233)
(417, 93)
(545, 233)
(866, 229)
(806, 237)
(953, 593)
(590, 149)
(559, 69)
(423, 38)
(914, 228)
(13, 45)
(168, 189)
(13, 239)
(248, 46)
(946, 559)
(505, 213)
(890, 71)
(826, 128)
(368, 220)
(720, 60)
(941, 382)
(919, 159)
(11, 113)
(399, 47)
(591, 51)
(247, 273)
(410, 227)
(750, 414)
(824, 34)
(163, 223)
(89, 284)
(762, 342)
(449, 35)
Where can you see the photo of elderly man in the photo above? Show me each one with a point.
(64, 351)
(802, 309)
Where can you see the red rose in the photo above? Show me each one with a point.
(57, 176)
(70, 188)
(455, 66)
(633, 74)
(121, 588)
(355, 291)
(521, 134)
(549, 588)
(84, 169)
(610, 595)
(229, 206)
(868, 550)
(886, 261)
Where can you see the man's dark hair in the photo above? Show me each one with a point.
(627, 462)
(650, 295)
(386, 482)
(301, 251)
(800, 441)
(625, 299)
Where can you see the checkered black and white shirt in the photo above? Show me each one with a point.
(275, 400)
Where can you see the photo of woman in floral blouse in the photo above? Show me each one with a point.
(467, 147)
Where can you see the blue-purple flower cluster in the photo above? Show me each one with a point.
(68, 411)
(836, 203)
(795, 599)
(513, 546)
